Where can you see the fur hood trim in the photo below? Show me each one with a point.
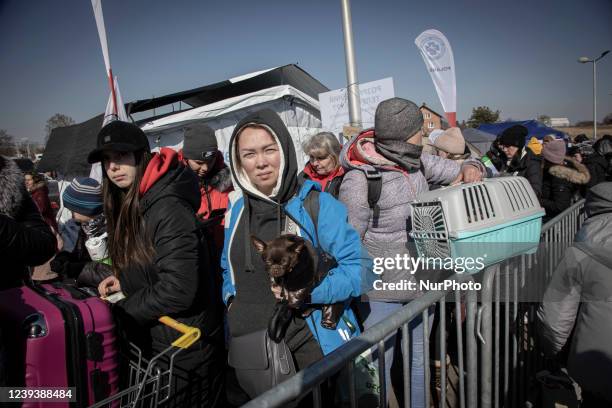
(222, 180)
(13, 187)
(572, 171)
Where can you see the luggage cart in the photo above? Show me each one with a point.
(150, 381)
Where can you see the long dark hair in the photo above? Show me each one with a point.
(128, 242)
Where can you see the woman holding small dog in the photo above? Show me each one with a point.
(268, 204)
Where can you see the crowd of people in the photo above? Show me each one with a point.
(179, 233)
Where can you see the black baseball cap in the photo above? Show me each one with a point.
(121, 137)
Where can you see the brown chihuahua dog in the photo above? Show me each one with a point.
(291, 265)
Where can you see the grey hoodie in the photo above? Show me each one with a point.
(579, 297)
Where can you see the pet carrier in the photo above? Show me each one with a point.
(492, 220)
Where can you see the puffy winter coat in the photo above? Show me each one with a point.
(25, 239)
(526, 164)
(177, 283)
(560, 183)
(578, 299)
(386, 236)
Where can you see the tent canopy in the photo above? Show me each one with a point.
(536, 129)
(289, 90)
(479, 139)
(286, 75)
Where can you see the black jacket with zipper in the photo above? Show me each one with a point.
(560, 183)
(177, 284)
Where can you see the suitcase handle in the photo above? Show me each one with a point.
(190, 334)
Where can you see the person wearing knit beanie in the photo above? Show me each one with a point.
(199, 142)
(512, 140)
(84, 198)
(514, 136)
(398, 132)
(519, 159)
(450, 142)
(554, 151)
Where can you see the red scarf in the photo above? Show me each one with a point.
(323, 180)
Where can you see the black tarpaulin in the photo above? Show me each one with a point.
(285, 75)
(68, 147)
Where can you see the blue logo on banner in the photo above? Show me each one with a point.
(433, 47)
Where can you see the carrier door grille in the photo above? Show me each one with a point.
(478, 204)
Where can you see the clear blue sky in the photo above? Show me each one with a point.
(518, 56)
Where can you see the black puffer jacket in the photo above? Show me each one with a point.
(578, 299)
(526, 164)
(25, 239)
(599, 162)
(560, 183)
(177, 284)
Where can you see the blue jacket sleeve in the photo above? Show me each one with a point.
(227, 288)
(353, 276)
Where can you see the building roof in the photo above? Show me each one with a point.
(424, 106)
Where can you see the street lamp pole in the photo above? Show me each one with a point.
(584, 60)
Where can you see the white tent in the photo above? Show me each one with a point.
(299, 112)
(288, 90)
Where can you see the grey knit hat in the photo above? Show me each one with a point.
(199, 142)
(397, 119)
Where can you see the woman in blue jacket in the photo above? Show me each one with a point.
(268, 204)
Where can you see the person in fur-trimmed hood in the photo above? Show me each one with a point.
(25, 238)
(562, 177)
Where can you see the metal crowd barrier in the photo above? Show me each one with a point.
(497, 366)
(310, 379)
(509, 352)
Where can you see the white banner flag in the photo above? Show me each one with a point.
(438, 56)
(97, 8)
(109, 115)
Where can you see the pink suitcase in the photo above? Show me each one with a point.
(64, 337)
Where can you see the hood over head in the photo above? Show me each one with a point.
(287, 184)
(595, 236)
(599, 199)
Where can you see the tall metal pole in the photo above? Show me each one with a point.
(594, 101)
(351, 69)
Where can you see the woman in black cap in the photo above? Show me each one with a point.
(150, 202)
(521, 161)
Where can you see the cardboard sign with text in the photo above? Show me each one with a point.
(334, 104)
